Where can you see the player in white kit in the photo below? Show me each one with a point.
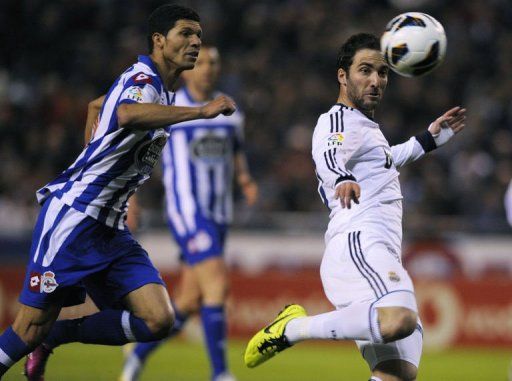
(361, 269)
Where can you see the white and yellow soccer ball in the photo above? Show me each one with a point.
(413, 44)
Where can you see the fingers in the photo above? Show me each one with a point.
(456, 122)
(347, 193)
(451, 112)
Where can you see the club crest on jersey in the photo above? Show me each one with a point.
(134, 93)
(393, 276)
(335, 140)
(43, 283)
(148, 153)
(200, 242)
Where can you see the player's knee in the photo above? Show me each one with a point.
(397, 323)
(217, 292)
(160, 323)
(188, 304)
(396, 369)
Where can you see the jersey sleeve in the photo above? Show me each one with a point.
(141, 88)
(413, 149)
(332, 150)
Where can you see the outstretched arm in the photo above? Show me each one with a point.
(146, 116)
(439, 133)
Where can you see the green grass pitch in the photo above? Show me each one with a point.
(179, 360)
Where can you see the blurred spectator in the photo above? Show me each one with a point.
(278, 63)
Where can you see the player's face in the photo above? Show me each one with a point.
(182, 44)
(206, 71)
(367, 79)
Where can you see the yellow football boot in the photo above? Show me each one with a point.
(271, 339)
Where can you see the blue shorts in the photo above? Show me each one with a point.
(73, 253)
(205, 241)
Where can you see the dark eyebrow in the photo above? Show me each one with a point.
(191, 30)
(370, 65)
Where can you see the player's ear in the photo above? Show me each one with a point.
(342, 76)
(158, 40)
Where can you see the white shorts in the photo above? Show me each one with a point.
(362, 267)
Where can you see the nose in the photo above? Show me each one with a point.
(374, 79)
(196, 41)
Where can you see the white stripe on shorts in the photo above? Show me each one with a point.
(65, 227)
(127, 329)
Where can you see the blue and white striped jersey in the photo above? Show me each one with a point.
(198, 167)
(117, 160)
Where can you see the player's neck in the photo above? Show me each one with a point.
(344, 99)
(198, 94)
(167, 72)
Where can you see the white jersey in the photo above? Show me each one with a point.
(198, 167)
(348, 146)
(117, 160)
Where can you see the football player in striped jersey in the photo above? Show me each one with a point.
(80, 238)
(361, 269)
(199, 162)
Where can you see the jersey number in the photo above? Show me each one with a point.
(389, 159)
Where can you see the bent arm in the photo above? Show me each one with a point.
(245, 181)
(93, 110)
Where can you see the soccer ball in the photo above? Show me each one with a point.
(413, 44)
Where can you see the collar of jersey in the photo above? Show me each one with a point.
(149, 63)
(342, 105)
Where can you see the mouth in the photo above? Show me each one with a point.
(373, 95)
(192, 54)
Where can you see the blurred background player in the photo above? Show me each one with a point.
(361, 268)
(80, 237)
(199, 162)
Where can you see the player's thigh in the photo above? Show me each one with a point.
(399, 358)
(213, 280)
(129, 270)
(357, 267)
(188, 293)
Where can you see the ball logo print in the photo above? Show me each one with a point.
(413, 44)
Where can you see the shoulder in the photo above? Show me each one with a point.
(141, 75)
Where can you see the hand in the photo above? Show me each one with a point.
(447, 125)
(250, 192)
(220, 105)
(347, 191)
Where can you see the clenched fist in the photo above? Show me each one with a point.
(220, 105)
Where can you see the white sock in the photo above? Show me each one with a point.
(131, 369)
(354, 322)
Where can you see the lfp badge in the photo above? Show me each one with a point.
(335, 140)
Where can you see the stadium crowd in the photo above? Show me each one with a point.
(279, 66)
